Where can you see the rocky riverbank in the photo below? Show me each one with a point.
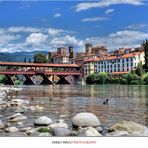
(83, 124)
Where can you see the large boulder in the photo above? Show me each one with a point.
(134, 129)
(1, 125)
(43, 121)
(61, 131)
(85, 119)
(89, 131)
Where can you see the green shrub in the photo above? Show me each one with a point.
(43, 130)
(123, 81)
(92, 78)
(135, 82)
(103, 76)
(3, 79)
(113, 80)
(145, 78)
(17, 82)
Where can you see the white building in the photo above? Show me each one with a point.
(114, 64)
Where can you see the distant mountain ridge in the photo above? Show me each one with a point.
(18, 56)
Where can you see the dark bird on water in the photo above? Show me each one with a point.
(105, 102)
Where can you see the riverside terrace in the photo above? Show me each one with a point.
(51, 73)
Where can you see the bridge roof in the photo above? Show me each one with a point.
(36, 64)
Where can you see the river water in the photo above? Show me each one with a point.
(125, 102)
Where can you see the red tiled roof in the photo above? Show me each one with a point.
(114, 57)
(36, 64)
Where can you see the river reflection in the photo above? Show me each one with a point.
(125, 102)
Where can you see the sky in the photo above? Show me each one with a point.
(47, 25)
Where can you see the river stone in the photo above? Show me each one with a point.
(31, 131)
(58, 124)
(85, 119)
(61, 131)
(130, 127)
(11, 129)
(74, 133)
(24, 129)
(118, 133)
(18, 102)
(1, 125)
(43, 120)
(21, 110)
(99, 129)
(89, 131)
(17, 117)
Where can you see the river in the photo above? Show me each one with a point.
(125, 102)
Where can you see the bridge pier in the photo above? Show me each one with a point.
(28, 80)
(9, 79)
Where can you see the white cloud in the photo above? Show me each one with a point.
(136, 26)
(2, 31)
(54, 32)
(94, 19)
(56, 15)
(66, 41)
(105, 3)
(109, 11)
(21, 38)
(6, 38)
(36, 38)
(23, 29)
(124, 38)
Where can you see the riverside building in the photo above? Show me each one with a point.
(115, 63)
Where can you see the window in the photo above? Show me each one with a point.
(127, 59)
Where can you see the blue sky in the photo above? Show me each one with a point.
(46, 25)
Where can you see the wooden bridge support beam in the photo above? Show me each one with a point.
(46, 80)
(9, 79)
(62, 80)
(28, 80)
(66, 80)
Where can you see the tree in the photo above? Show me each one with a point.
(90, 79)
(139, 69)
(103, 77)
(39, 58)
(3, 79)
(49, 58)
(145, 45)
(129, 77)
(71, 55)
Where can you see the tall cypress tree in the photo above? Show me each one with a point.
(145, 45)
